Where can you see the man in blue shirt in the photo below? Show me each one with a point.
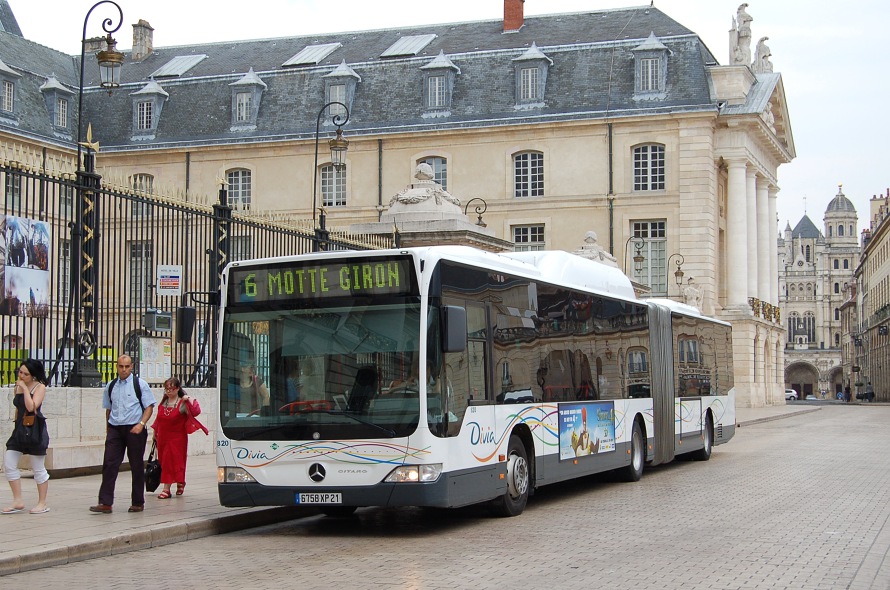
(126, 416)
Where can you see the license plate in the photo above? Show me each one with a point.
(320, 498)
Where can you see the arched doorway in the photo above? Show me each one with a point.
(802, 378)
(836, 381)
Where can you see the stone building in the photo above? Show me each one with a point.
(816, 271)
(870, 334)
(621, 122)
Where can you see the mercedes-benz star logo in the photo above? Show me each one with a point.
(316, 472)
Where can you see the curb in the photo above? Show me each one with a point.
(101, 546)
(777, 417)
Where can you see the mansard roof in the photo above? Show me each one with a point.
(592, 77)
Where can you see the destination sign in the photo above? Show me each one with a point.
(320, 279)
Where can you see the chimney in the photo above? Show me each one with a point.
(143, 40)
(513, 17)
(94, 44)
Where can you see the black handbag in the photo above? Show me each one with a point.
(152, 471)
(28, 433)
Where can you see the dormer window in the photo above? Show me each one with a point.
(339, 86)
(147, 106)
(650, 69)
(8, 78)
(57, 98)
(438, 85)
(531, 78)
(246, 95)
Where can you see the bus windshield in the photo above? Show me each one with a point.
(321, 366)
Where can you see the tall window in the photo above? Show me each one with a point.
(240, 248)
(649, 168)
(649, 74)
(61, 112)
(242, 107)
(435, 92)
(440, 169)
(528, 84)
(846, 264)
(807, 253)
(13, 191)
(8, 102)
(333, 186)
(528, 174)
(141, 270)
(527, 238)
(143, 183)
(66, 201)
(836, 264)
(654, 271)
(840, 230)
(337, 93)
(64, 270)
(239, 188)
(143, 115)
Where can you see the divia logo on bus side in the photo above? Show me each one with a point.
(487, 441)
(318, 281)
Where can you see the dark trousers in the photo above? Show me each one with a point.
(117, 440)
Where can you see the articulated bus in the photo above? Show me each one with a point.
(446, 376)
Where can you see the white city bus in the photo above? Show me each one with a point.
(446, 376)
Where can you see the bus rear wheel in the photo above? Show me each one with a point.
(513, 502)
(704, 453)
(634, 471)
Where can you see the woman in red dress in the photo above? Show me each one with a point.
(175, 421)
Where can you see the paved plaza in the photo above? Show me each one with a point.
(799, 499)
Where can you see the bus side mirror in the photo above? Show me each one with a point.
(185, 324)
(454, 328)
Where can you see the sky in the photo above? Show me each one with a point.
(831, 55)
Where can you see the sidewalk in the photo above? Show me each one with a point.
(70, 532)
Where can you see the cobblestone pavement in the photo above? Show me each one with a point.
(797, 503)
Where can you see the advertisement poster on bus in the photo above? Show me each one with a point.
(586, 428)
(25, 267)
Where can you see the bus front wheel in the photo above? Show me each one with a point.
(513, 502)
(634, 471)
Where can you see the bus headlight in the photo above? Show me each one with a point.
(233, 475)
(415, 473)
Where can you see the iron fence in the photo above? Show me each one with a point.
(135, 232)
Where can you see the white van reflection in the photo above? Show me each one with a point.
(519, 396)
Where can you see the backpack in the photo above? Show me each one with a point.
(136, 390)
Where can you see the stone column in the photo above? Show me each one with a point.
(773, 247)
(751, 207)
(763, 239)
(737, 236)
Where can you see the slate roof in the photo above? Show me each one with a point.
(7, 19)
(806, 229)
(592, 76)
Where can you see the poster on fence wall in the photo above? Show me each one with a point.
(24, 266)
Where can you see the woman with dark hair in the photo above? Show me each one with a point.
(174, 422)
(30, 389)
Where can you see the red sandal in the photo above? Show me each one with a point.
(164, 495)
(180, 489)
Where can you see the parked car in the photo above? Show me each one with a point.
(791, 394)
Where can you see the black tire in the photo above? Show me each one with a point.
(634, 471)
(704, 453)
(338, 511)
(513, 502)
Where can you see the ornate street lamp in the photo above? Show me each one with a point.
(85, 301)
(678, 274)
(480, 209)
(338, 146)
(638, 257)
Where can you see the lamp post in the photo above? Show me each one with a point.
(338, 145)
(678, 274)
(480, 209)
(84, 298)
(638, 257)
